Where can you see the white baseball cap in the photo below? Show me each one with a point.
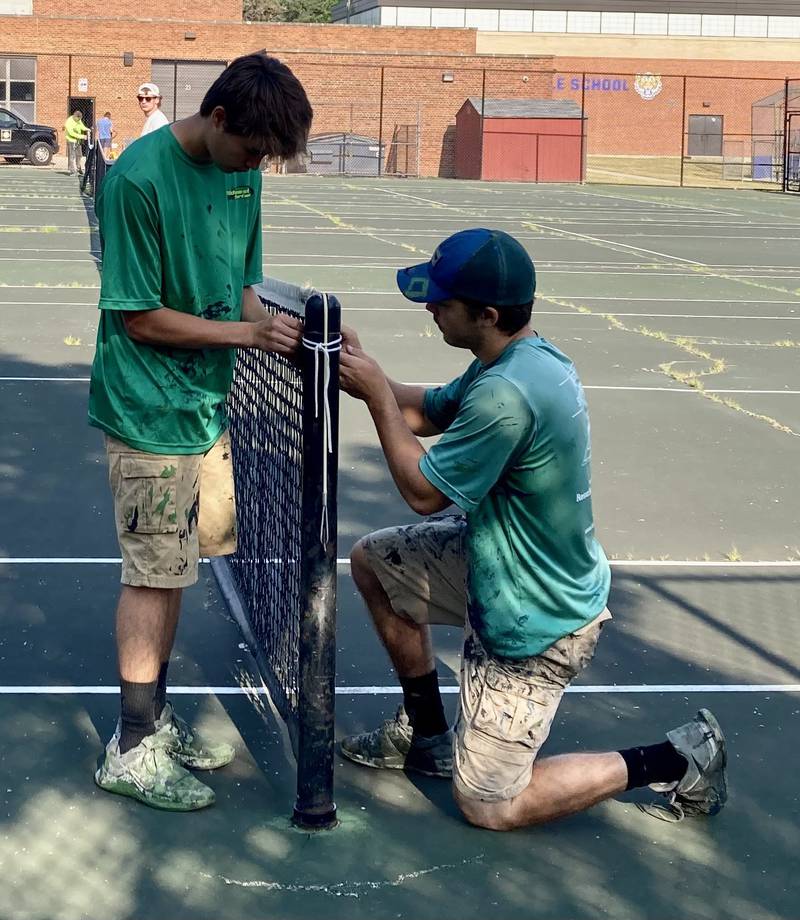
(149, 89)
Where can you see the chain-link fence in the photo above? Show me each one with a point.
(437, 116)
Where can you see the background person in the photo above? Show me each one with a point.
(105, 131)
(76, 133)
(149, 96)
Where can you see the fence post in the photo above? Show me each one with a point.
(786, 136)
(483, 106)
(584, 171)
(380, 129)
(683, 129)
(419, 138)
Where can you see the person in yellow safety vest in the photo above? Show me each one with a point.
(76, 132)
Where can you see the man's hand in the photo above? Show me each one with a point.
(360, 375)
(280, 333)
(350, 337)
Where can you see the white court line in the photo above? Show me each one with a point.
(111, 690)
(597, 239)
(675, 389)
(616, 563)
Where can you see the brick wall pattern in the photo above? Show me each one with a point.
(425, 75)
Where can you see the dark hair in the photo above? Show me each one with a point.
(107, 115)
(510, 319)
(262, 99)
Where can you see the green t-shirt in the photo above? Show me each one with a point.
(515, 455)
(180, 234)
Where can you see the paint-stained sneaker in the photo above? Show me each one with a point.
(148, 774)
(394, 746)
(704, 787)
(189, 748)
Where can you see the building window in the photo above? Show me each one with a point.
(413, 16)
(488, 20)
(16, 7)
(453, 19)
(516, 20)
(684, 24)
(784, 27)
(583, 22)
(549, 21)
(18, 86)
(718, 26)
(651, 23)
(752, 26)
(618, 23)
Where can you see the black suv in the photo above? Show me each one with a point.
(20, 139)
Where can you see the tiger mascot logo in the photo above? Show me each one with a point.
(648, 85)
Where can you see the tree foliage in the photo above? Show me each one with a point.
(288, 10)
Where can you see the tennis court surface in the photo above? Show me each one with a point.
(681, 309)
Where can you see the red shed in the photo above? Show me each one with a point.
(528, 140)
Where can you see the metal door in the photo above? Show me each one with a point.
(183, 85)
(705, 136)
(85, 106)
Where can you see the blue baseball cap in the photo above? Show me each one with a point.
(478, 264)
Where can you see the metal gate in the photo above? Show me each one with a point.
(791, 173)
(183, 85)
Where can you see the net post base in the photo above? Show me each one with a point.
(315, 821)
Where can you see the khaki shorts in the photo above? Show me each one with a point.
(506, 707)
(162, 528)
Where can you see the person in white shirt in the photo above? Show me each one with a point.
(149, 97)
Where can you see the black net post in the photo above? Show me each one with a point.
(315, 807)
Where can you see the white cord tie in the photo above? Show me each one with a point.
(322, 352)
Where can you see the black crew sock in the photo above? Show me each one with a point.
(657, 763)
(137, 713)
(423, 704)
(161, 690)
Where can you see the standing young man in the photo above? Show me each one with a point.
(522, 572)
(105, 131)
(76, 132)
(180, 218)
(149, 97)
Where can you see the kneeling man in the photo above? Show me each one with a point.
(521, 569)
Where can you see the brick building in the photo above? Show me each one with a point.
(388, 83)
(688, 92)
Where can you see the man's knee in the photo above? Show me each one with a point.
(492, 816)
(360, 567)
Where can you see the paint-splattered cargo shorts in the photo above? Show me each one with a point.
(162, 527)
(506, 707)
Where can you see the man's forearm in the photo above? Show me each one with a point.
(411, 402)
(253, 310)
(403, 453)
(182, 330)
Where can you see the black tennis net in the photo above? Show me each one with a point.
(281, 582)
(94, 171)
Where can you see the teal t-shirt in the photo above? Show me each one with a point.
(515, 455)
(180, 234)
